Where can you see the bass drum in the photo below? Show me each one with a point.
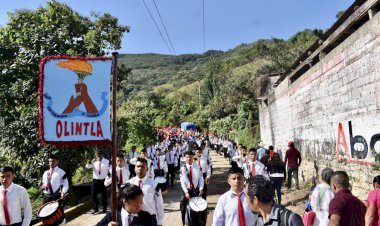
(162, 184)
(52, 214)
(196, 212)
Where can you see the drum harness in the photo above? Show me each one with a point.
(51, 193)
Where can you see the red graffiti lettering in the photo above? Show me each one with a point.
(341, 141)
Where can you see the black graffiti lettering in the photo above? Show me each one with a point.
(375, 138)
(362, 152)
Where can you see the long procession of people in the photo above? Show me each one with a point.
(256, 177)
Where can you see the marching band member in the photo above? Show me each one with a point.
(14, 200)
(54, 182)
(160, 167)
(205, 168)
(122, 173)
(152, 201)
(192, 182)
(253, 166)
(99, 168)
(171, 159)
(131, 155)
(144, 154)
(232, 208)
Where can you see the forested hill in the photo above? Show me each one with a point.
(216, 89)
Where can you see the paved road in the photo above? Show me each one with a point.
(218, 185)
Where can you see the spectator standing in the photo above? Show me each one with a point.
(321, 198)
(345, 209)
(373, 201)
(293, 159)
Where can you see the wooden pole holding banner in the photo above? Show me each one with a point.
(114, 143)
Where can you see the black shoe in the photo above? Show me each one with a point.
(104, 211)
(94, 211)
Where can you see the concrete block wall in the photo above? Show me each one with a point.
(340, 92)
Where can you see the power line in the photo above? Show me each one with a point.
(159, 14)
(151, 16)
(204, 28)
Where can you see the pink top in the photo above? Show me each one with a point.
(374, 199)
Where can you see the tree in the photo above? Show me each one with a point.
(24, 41)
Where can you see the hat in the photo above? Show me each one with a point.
(261, 144)
(290, 144)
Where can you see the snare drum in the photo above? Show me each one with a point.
(196, 213)
(162, 184)
(52, 214)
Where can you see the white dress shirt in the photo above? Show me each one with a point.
(104, 168)
(125, 216)
(125, 174)
(204, 166)
(152, 201)
(163, 164)
(259, 169)
(57, 179)
(17, 199)
(226, 210)
(132, 155)
(196, 174)
(171, 158)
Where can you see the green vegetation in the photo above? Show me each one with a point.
(216, 90)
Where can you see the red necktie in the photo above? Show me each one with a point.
(140, 183)
(158, 164)
(121, 176)
(191, 179)
(100, 168)
(199, 162)
(241, 211)
(49, 178)
(253, 169)
(7, 219)
(130, 219)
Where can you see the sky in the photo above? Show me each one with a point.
(228, 23)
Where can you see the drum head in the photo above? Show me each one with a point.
(160, 180)
(197, 204)
(133, 161)
(48, 209)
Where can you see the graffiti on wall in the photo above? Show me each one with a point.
(357, 146)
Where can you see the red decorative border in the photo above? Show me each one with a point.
(40, 105)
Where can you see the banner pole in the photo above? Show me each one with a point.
(114, 135)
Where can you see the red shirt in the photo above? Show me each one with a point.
(350, 209)
(292, 156)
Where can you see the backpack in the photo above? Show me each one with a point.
(284, 216)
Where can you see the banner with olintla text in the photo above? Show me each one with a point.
(74, 100)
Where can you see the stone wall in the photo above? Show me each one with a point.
(338, 94)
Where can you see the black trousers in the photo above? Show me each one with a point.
(131, 170)
(171, 172)
(204, 195)
(183, 203)
(96, 188)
